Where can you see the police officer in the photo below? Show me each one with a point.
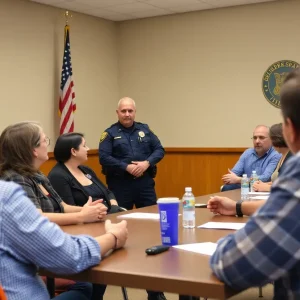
(128, 153)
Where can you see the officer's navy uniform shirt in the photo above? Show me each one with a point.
(120, 146)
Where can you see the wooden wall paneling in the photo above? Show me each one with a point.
(200, 168)
(49, 164)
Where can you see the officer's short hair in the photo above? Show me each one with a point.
(126, 98)
(65, 143)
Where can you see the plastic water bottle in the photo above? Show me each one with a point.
(244, 187)
(254, 178)
(188, 202)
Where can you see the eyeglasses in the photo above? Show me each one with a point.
(46, 141)
(262, 138)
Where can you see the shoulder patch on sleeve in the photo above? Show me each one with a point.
(103, 136)
(152, 131)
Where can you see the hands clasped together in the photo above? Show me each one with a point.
(137, 168)
(259, 186)
(93, 211)
(119, 230)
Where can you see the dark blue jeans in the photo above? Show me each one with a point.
(77, 291)
(229, 187)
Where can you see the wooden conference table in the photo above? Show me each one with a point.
(175, 271)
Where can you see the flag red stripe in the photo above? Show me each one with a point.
(72, 127)
(66, 98)
(66, 119)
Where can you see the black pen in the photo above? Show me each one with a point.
(201, 205)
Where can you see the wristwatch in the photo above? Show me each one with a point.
(238, 208)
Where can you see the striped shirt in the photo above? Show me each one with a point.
(268, 247)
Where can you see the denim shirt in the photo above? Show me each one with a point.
(264, 165)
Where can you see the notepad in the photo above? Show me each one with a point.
(222, 225)
(202, 248)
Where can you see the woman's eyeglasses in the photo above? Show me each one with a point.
(46, 141)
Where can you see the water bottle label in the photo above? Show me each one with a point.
(189, 203)
(189, 215)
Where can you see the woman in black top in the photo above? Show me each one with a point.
(74, 182)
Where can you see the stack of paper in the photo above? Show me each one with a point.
(259, 193)
(222, 225)
(151, 216)
(202, 248)
(258, 197)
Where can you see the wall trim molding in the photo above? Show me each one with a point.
(182, 150)
(203, 150)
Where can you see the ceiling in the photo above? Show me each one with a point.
(120, 10)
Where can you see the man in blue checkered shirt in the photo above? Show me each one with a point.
(268, 247)
(29, 240)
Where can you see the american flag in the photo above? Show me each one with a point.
(67, 105)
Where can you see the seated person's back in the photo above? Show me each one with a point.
(25, 246)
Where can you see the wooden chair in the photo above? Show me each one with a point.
(57, 286)
(54, 290)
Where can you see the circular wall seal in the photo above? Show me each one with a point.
(273, 79)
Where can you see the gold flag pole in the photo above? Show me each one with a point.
(68, 16)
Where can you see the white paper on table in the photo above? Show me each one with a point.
(259, 193)
(151, 216)
(202, 248)
(259, 197)
(222, 225)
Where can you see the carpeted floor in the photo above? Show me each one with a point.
(114, 293)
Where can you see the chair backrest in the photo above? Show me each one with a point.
(2, 294)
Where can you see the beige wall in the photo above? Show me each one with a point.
(31, 57)
(197, 76)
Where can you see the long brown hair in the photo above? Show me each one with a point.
(16, 147)
(276, 136)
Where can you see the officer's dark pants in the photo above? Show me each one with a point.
(130, 191)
